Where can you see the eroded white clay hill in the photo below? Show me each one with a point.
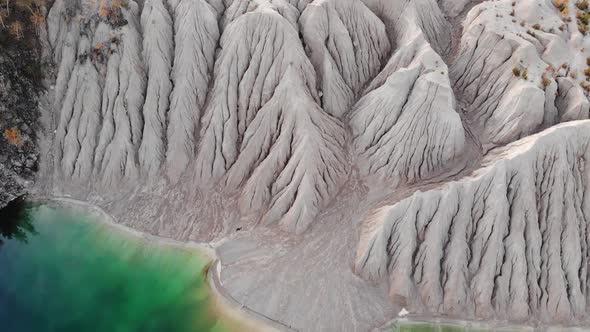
(509, 241)
(348, 157)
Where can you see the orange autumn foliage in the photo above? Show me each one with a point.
(37, 19)
(116, 4)
(565, 11)
(16, 30)
(560, 3)
(13, 136)
(103, 11)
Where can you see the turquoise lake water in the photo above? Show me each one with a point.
(63, 272)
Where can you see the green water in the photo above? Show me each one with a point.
(416, 326)
(63, 272)
(413, 327)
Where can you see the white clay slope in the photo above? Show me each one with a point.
(508, 242)
(400, 16)
(156, 25)
(297, 155)
(347, 44)
(264, 128)
(290, 10)
(116, 157)
(513, 62)
(406, 128)
(268, 122)
(150, 87)
(196, 36)
(256, 50)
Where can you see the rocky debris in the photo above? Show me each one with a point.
(12, 185)
(18, 119)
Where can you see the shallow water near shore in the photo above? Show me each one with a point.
(64, 272)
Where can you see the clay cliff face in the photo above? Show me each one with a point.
(194, 118)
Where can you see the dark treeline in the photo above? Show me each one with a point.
(16, 221)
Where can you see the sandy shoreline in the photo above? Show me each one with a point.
(241, 318)
(485, 326)
(232, 313)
